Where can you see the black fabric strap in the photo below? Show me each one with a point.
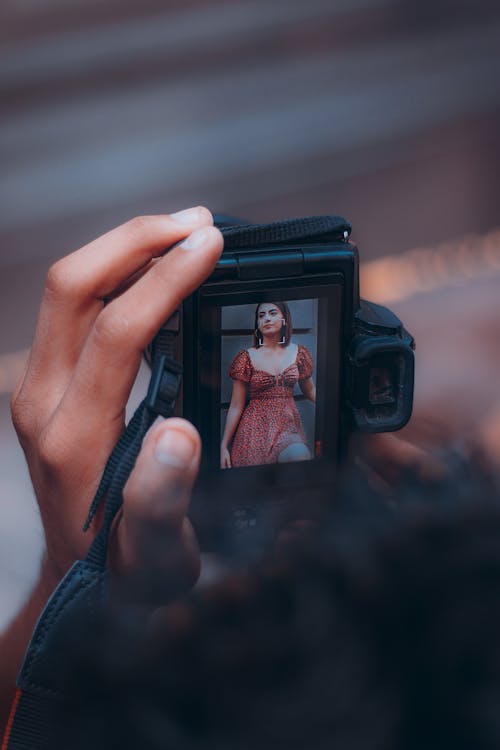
(114, 462)
(160, 400)
(123, 462)
(161, 397)
(310, 229)
(31, 727)
(75, 606)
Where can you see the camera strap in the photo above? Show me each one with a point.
(82, 592)
(308, 229)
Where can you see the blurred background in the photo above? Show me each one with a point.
(385, 111)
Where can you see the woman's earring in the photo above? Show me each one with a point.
(283, 329)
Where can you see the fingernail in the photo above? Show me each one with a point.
(195, 240)
(188, 216)
(174, 448)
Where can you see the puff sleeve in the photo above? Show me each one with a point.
(304, 363)
(241, 367)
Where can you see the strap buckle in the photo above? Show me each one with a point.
(164, 386)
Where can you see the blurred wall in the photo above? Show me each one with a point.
(386, 112)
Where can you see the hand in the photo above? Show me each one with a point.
(225, 459)
(69, 409)
(456, 393)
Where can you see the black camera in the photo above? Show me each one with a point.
(281, 362)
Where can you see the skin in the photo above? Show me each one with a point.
(273, 358)
(69, 408)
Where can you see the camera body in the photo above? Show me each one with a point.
(348, 365)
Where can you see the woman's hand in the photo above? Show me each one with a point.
(308, 389)
(225, 458)
(233, 417)
(69, 408)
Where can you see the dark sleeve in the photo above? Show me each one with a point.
(304, 363)
(241, 368)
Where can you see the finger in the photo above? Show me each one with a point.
(97, 269)
(154, 537)
(391, 457)
(110, 359)
(77, 285)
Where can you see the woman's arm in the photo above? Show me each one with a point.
(308, 389)
(233, 417)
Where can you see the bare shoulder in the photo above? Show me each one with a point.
(252, 354)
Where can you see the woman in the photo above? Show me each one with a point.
(269, 429)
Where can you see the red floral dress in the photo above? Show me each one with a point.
(270, 421)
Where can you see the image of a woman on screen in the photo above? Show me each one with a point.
(269, 428)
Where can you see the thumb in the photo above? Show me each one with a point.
(154, 538)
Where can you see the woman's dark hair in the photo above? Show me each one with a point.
(286, 329)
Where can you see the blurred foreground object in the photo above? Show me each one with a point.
(381, 633)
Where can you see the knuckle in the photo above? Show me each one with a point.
(62, 280)
(22, 417)
(51, 452)
(140, 226)
(16, 412)
(111, 328)
(58, 279)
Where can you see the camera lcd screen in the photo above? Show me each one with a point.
(269, 375)
(268, 382)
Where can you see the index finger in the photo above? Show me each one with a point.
(97, 269)
(77, 285)
(111, 356)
